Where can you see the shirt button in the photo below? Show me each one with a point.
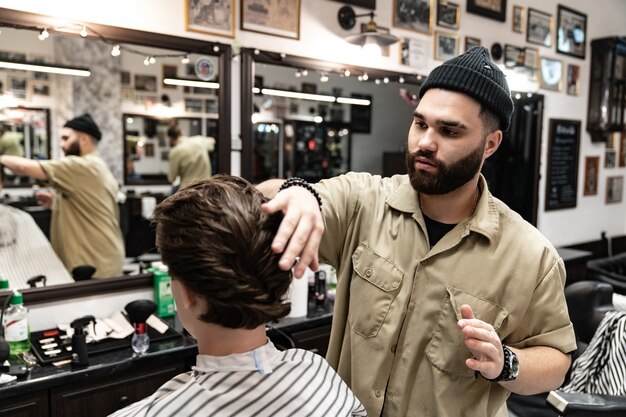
(368, 273)
(378, 393)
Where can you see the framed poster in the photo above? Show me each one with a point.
(539, 27)
(145, 83)
(592, 170)
(518, 19)
(514, 56)
(413, 15)
(446, 46)
(448, 14)
(413, 52)
(493, 9)
(622, 150)
(571, 34)
(215, 17)
(471, 42)
(614, 189)
(562, 172)
(551, 74)
(271, 17)
(573, 79)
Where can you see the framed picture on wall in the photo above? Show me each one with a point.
(471, 42)
(531, 61)
(413, 52)
(18, 86)
(551, 74)
(622, 150)
(571, 34)
(514, 56)
(211, 16)
(272, 17)
(573, 79)
(448, 14)
(446, 46)
(614, 189)
(518, 19)
(539, 27)
(145, 83)
(493, 9)
(592, 169)
(168, 71)
(610, 158)
(413, 15)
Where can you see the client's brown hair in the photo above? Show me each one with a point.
(215, 238)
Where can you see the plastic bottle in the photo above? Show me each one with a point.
(16, 329)
(163, 292)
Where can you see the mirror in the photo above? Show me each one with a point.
(24, 132)
(119, 86)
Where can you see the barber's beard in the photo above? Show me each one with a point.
(72, 149)
(447, 177)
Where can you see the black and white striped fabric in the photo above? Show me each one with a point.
(264, 382)
(601, 369)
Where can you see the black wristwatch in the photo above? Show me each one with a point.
(510, 370)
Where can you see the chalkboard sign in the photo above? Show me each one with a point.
(562, 180)
(361, 116)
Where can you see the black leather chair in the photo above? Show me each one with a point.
(611, 270)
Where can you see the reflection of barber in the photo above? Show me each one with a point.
(11, 143)
(85, 216)
(189, 157)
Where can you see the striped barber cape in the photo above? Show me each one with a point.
(601, 369)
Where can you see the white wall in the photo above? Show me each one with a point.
(321, 37)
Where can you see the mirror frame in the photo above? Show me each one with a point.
(20, 19)
(250, 56)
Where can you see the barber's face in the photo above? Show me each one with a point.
(69, 142)
(446, 146)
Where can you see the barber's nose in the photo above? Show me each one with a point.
(427, 140)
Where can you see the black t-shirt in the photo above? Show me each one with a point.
(436, 230)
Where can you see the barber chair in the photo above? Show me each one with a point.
(611, 270)
(587, 302)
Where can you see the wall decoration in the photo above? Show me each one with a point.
(531, 61)
(571, 34)
(168, 71)
(210, 105)
(610, 158)
(446, 46)
(562, 170)
(39, 59)
(518, 19)
(551, 74)
(592, 169)
(193, 105)
(539, 27)
(147, 83)
(18, 86)
(165, 155)
(573, 79)
(622, 149)
(148, 149)
(514, 56)
(413, 52)
(215, 17)
(41, 89)
(125, 78)
(272, 17)
(413, 15)
(493, 9)
(471, 42)
(448, 14)
(614, 189)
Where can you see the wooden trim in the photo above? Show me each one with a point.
(247, 108)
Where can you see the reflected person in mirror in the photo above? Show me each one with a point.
(215, 239)
(189, 157)
(85, 228)
(447, 300)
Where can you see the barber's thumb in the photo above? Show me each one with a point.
(466, 312)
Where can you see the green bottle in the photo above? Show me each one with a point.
(16, 329)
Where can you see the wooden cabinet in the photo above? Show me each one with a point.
(607, 88)
(28, 405)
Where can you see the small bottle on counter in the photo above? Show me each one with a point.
(16, 329)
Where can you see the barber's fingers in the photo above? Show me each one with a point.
(309, 255)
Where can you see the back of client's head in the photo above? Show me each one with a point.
(215, 239)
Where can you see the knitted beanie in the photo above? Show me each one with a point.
(85, 124)
(474, 74)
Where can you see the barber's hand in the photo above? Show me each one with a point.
(483, 343)
(44, 198)
(300, 231)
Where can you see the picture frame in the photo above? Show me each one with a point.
(610, 158)
(470, 42)
(210, 17)
(622, 150)
(168, 71)
(18, 86)
(145, 83)
(614, 189)
(539, 27)
(39, 59)
(40, 89)
(413, 52)
(592, 171)
(492, 9)
(514, 56)
(573, 79)
(551, 71)
(562, 164)
(518, 19)
(415, 15)
(571, 34)
(448, 14)
(446, 46)
(276, 17)
(531, 61)
(193, 105)
(210, 105)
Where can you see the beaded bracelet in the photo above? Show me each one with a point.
(299, 182)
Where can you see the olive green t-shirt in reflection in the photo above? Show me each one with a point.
(85, 226)
(189, 159)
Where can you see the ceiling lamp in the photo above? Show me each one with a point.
(369, 39)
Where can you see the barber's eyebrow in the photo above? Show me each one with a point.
(449, 123)
(65, 137)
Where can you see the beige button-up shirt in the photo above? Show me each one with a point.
(394, 338)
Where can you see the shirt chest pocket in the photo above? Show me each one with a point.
(375, 284)
(446, 350)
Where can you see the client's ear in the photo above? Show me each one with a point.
(188, 298)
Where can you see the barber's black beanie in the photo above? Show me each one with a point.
(474, 74)
(86, 125)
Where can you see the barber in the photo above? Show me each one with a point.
(85, 227)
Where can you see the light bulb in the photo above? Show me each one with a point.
(146, 61)
(152, 60)
(401, 80)
(371, 49)
(386, 80)
(323, 78)
(83, 32)
(346, 72)
(216, 48)
(43, 35)
(365, 76)
(116, 50)
(185, 60)
(305, 73)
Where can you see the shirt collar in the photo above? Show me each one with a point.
(258, 359)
